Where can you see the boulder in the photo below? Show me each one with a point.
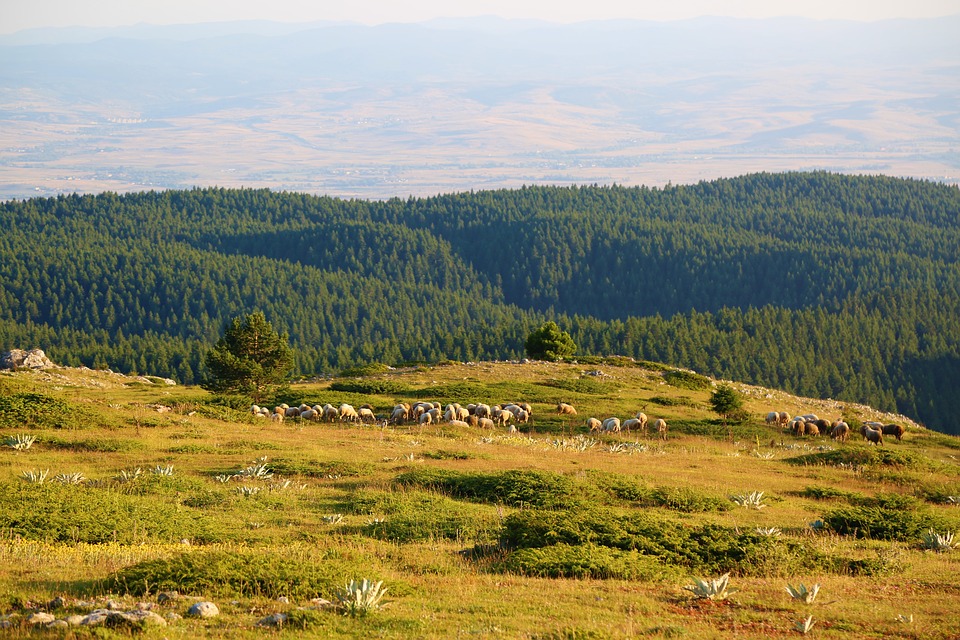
(273, 620)
(41, 618)
(204, 610)
(20, 359)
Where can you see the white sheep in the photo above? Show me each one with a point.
(485, 423)
(564, 409)
(612, 425)
(593, 424)
(772, 417)
(840, 431)
(330, 413)
(630, 423)
(425, 418)
(366, 414)
(642, 419)
(661, 426)
(348, 413)
(309, 414)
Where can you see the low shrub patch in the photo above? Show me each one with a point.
(410, 516)
(863, 457)
(370, 387)
(587, 561)
(687, 380)
(39, 411)
(515, 488)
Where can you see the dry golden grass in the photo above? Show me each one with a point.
(435, 590)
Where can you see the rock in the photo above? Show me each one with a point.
(74, 620)
(273, 620)
(166, 597)
(113, 605)
(5, 624)
(41, 618)
(283, 599)
(204, 610)
(58, 624)
(57, 603)
(20, 359)
(173, 617)
(95, 618)
(136, 618)
(144, 606)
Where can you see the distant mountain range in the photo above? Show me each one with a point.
(452, 105)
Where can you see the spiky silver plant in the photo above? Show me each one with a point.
(128, 476)
(769, 532)
(246, 491)
(752, 500)
(333, 518)
(904, 619)
(223, 478)
(360, 598)
(259, 470)
(804, 626)
(35, 477)
(718, 589)
(162, 471)
(939, 542)
(20, 442)
(69, 478)
(808, 595)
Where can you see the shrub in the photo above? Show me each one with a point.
(104, 445)
(687, 380)
(359, 371)
(417, 516)
(586, 561)
(863, 457)
(76, 513)
(516, 488)
(879, 522)
(35, 410)
(370, 387)
(687, 500)
(252, 573)
(320, 469)
(587, 386)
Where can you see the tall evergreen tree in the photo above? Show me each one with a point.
(251, 358)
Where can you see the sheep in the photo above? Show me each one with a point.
(612, 424)
(330, 413)
(812, 429)
(309, 414)
(277, 416)
(366, 414)
(894, 430)
(593, 424)
(254, 409)
(526, 407)
(399, 414)
(783, 418)
(871, 435)
(661, 426)
(642, 419)
(798, 426)
(485, 423)
(473, 420)
(773, 416)
(458, 423)
(840, 431)
(810, 417)
(502, 417)
(348, 413)
(482, 411)
(564, 409)
(630, 423)
(292, 412)
(425, 418)
(523, 416)
(303, 407)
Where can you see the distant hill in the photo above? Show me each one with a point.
(823, 285)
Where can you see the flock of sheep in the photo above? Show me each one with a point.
(811, 425)
(422, 413)
(613, 424)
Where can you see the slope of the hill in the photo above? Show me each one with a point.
(131, 490)
(826, 285)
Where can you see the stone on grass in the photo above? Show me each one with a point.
(204, 610)
(41, 617)
(273, 620)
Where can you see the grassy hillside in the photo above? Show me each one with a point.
(831, 286)
(546, 533)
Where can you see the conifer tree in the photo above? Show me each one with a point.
(251, 358)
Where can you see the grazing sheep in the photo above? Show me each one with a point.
(593, 424)
(873, 436)
(523, 416)
(894, 430)
(612, 425)
(485, 423)
(526, 407)
(277, 416)
(798, 426)
(473, 420)
(564, 409)
(642, 419)
(810, 417)
(425, 418)
(309, 414)
(824, 426)
(291, 412)
(840, 431)
(458, 423)
(330, 413)
(773, 416)
(399, 414)
(502, 417)
(630, 423)
(661, 426)
(812, 429)
(482, 411)
(783, 418)
(348, 413)
(366, 415)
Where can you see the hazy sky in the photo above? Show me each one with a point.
(24, 14)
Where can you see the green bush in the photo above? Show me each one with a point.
(38, 411)
(829, 493)
(587, 561)
(686, 500)
(410, 516)
(864, 457)
(359, 371)
(370, 387)
(879, 522)
(665, 401)
(253, 573)
(515, 488)
(320, 469)
(588, 386)
(75, 513)
(687, 380)
(104, 445)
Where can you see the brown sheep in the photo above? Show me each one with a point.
(894, 430)
(871, 435)
(661, 426)
(564, 409)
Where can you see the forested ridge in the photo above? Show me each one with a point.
(820, 284)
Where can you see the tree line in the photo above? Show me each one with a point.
(836, 286)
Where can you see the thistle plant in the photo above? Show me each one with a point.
(952, 500)
(904, 619)
(162, 471)
(763, 455)
(360, 598)
(258, 471)
(804, 626)
(35, 477)
(717, 589)
(20, 442)
(223, 478)
(246, 491)
(334, 518)
(69, 478)
(752, 500)
(939, 542)
(808, 595)
(769, 532)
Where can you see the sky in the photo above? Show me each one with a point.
(16, 15)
